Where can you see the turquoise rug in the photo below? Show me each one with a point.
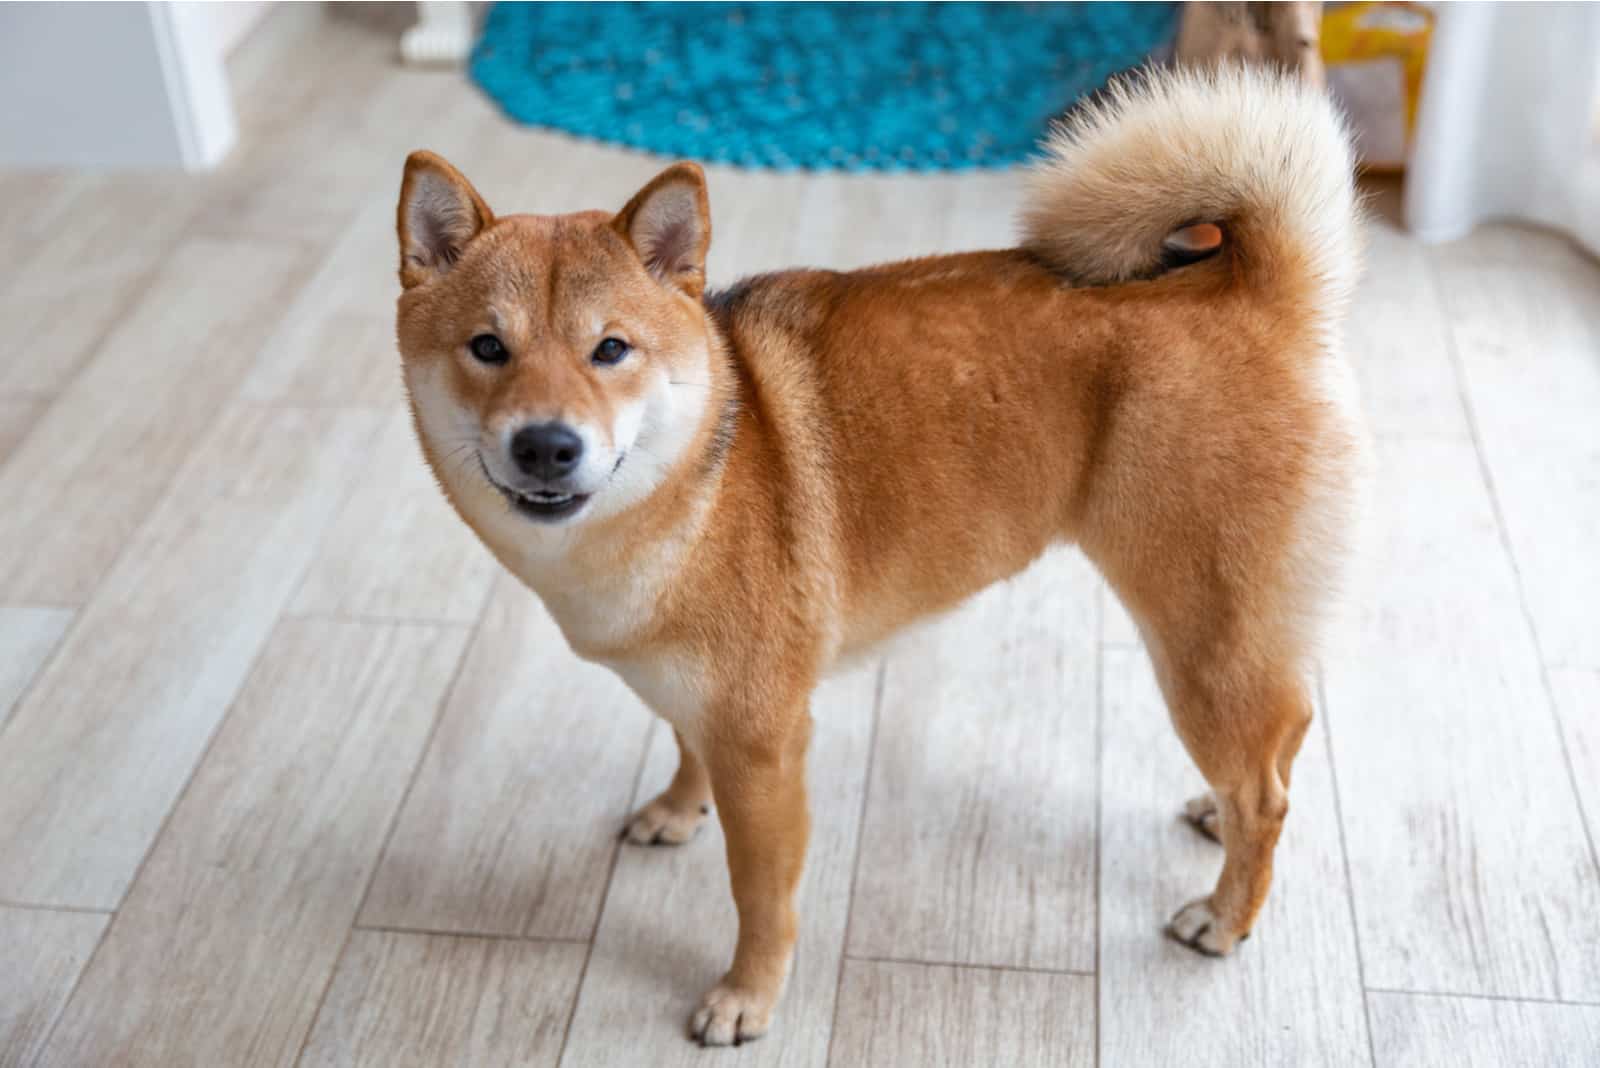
(869, 86)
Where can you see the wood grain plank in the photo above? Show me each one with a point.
(757, 224)
(334, 343)
(979, 839)
(95, 253)
(247, 895)
(1420, 1031)
(983, 214)
(403, 1000)
(95, 464)
(848, 221)
(669, 924)
(1293, 993)
(1577, 694)
(27, 635)
(512, 824)
(102, 744)
(18, 413)
(397, 550)
(1528, 334)
(287, 34)
(1397, 339)
(44, 952)
(1467, 852)
(1515, 243)
(32, 205)
(894, 1014)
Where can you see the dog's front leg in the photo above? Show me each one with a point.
(757, 761)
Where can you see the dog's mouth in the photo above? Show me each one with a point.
(544, 505)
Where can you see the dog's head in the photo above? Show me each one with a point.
(558, 366)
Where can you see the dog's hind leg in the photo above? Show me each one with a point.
(675, 814)
(1242, 722)
(1204, 813)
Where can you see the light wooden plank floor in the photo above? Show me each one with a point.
(290, 774)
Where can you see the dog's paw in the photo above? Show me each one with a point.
(1199, 928)
(730, 1015)
(1201, 813)
(663, 822)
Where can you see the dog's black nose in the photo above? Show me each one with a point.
(547, 451)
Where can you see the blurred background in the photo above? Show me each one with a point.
(1504, 128)
(290, 773)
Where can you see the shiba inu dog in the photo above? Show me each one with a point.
(719, 495)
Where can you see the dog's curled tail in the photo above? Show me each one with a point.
(1260, 155)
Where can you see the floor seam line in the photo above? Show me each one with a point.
(1099, 795)
(855, 861)
(1530, 999)
(1020, 969)
(605, 892)
(1344, 855)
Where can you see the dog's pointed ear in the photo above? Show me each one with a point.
(439, 214)
(668, 223)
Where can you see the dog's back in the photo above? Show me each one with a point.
(1130, 402)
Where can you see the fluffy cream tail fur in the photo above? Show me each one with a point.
(1262, 155)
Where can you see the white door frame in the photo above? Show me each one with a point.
(107, 85)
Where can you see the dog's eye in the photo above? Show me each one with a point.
(488, 349)
(610, 351)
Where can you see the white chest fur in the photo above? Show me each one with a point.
(672, 684)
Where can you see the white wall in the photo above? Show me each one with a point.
(117, 85)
